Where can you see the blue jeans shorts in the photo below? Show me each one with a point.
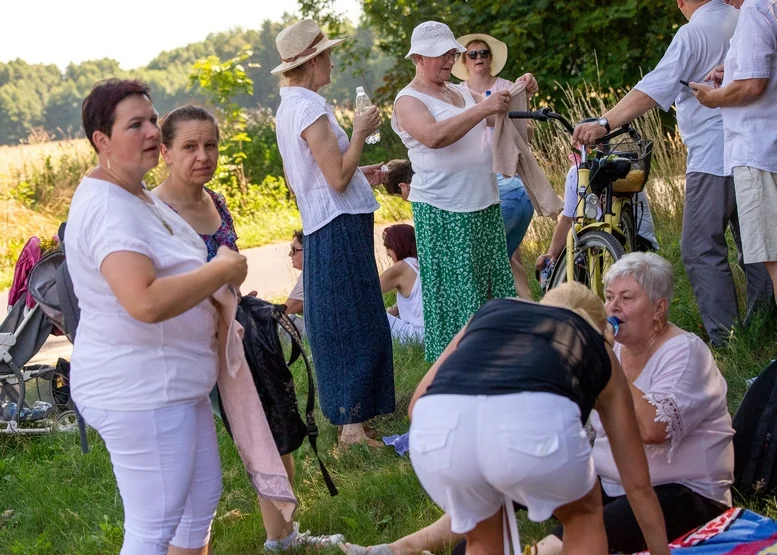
(517, 210)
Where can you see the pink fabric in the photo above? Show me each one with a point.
(28, 258)
(247, 420)
(510, 147)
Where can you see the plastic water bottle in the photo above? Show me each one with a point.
(362, 104)
(615, 322)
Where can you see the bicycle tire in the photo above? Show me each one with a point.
(628, 227)
(591, 239)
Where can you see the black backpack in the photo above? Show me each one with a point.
(273, 379)
(755, 437)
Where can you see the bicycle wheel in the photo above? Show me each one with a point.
(628, 228)
(596, 251)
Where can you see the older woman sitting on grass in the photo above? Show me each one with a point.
(679, 398)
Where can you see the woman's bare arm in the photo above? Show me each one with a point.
(414, 117)
(151, 299)
(616, 410)
(338, 168)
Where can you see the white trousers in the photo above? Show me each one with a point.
(167, 467)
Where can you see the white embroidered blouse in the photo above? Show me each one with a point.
(684, 384)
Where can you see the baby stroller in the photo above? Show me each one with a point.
(34, 399)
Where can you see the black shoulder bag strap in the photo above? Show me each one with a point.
(296, 351)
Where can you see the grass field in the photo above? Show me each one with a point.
(66, 503)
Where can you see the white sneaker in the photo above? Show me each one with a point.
(299, 539)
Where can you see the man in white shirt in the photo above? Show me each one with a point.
(748, 103)
(710, 200)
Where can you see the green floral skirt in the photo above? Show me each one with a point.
(463, 260)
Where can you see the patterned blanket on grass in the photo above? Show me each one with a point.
(735, 532)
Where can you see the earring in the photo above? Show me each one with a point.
(109, 162)
(658, 325)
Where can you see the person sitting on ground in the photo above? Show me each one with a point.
(295, 302)
(406, 317)
(498, 420)
(646, 235)
(398, 178)
(190, 138)
(679, 397)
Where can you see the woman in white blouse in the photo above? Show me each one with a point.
(680, 400)
(344, 313)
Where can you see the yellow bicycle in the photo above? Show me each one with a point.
(610, 174)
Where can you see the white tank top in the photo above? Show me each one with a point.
(458, 177)
(411, 308)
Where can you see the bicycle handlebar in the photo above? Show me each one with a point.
(546, 114)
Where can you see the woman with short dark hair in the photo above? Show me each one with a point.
(145, 357)
(406, 317)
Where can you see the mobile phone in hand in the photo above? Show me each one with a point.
(684, 83)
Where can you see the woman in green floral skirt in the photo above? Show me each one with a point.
(459, 229)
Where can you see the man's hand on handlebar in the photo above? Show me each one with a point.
(588, 133)
(543, 261)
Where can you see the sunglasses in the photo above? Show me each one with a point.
(474, 54)
(294, 250)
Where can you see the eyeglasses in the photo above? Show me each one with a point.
(474, 54)
(450, 54)
(294, 250)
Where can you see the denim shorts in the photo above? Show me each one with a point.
(517, 210)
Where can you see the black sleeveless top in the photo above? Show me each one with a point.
(512, 347)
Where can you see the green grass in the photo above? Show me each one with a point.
(67, 503)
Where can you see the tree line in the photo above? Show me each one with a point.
(44, 101)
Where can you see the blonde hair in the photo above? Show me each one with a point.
(580, 300)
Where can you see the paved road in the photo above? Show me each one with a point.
(269, 272)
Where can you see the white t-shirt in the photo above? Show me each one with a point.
(455, 178)
(118, 362)
(298, 293)
(751, 130)
(683, 383)
(698, 46)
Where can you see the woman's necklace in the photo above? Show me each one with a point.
(444, 89)
(155, 210)
(629, 368)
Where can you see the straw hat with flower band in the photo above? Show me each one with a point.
(498, 54)
(300, 42)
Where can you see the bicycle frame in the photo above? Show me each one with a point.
(611, 224)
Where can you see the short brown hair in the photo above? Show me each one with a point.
(98, 110)
(299, 236)
(400, 238)
(400, 171)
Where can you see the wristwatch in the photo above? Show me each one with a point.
(604, 123)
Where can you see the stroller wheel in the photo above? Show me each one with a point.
(66, 421)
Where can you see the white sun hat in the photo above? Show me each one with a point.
(432, 38)
(498, 55)
(300, 42)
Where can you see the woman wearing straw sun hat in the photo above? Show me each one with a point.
(461, 238)
(478, 69)
(344, 314)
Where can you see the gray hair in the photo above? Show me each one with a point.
(652, 272)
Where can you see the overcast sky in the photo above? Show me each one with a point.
(64, 31)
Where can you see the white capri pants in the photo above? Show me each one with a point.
(472, 453)
(167, 467)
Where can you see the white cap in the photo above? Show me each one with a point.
(432, 38)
